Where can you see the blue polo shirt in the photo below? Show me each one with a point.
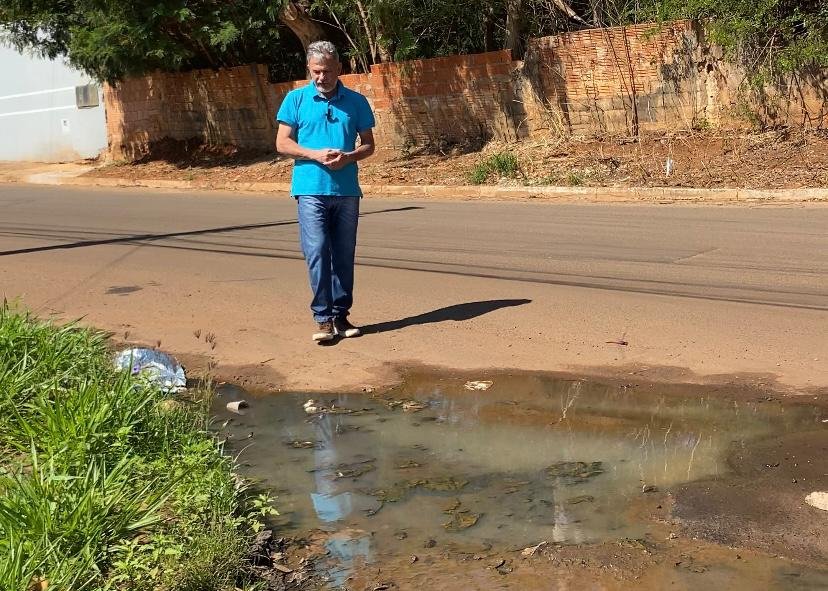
(319, 123)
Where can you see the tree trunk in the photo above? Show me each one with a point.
(597, 13)
(489, 30)
(567, 10)
(294, 16)
(369, 35)
(514, 28)
(383, 47)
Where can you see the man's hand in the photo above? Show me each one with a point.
(285, 144)
(327, 156)
(341, 160)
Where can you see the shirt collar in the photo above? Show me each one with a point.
(318, 95)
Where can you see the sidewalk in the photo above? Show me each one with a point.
(71, 174)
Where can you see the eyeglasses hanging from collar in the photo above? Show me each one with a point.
(329, 114)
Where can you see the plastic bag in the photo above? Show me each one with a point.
(158, 367)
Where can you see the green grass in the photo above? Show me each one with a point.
(575, 178)
(103, 483)
(500, 165)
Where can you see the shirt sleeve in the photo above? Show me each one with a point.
(365, 117)
(288, 111)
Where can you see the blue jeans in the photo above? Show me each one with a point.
(327, 234)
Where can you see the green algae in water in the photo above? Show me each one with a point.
(580, 499)
(400, 490)
(461, 520)
(575, 472)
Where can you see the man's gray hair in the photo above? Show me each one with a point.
(320, 50)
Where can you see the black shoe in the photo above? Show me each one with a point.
(344, 328)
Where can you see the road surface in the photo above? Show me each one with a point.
(697, 293)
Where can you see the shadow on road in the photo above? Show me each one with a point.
(151, 237)
(457, 312)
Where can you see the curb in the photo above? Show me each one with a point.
(482, 192)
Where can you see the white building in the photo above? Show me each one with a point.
(49, 112)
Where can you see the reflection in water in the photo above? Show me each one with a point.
(329, 504)
(346, 553)
(531, 459)
(346, 550)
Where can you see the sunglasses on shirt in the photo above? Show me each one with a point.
(329, 114)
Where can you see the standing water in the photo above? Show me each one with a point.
(531, 458)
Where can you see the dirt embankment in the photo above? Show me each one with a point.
(781, 159)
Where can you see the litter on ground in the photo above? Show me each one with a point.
(158, 367)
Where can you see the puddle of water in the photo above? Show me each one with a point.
(532, 458)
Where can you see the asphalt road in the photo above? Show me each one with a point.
(64, 249)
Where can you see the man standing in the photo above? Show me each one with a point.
(318, 127)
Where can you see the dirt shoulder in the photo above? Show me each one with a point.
(772, 161)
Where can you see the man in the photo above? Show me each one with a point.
(318, 127)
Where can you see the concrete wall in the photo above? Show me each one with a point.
(39, 118)
(620, 80)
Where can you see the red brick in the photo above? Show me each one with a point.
(415, 99)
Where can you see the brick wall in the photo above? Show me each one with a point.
(799, 99)
(448, 100)
(217, 107)
(451, 100)
(661, 77)
(615, 80)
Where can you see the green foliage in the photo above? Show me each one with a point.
(574, 178)
(500, 164)
(111, 40)
(106, 483)
(374, 31)
(479, 174)
(767, 36)
(74, 515)
(746, 113)
(35, 354)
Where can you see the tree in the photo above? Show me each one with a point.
(767, 36)
(295, 16)
(515, 26)
(110, 39)
(376, 31)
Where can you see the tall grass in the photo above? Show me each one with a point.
(103, 483)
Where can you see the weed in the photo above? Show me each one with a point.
(502, 164)
(105, 483)
(210, 339)
(574, 178)
(701, 124)
(747, 113)
(479, 174)
(407, 148)
(214, 557)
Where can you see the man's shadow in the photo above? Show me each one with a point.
(458, 312)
